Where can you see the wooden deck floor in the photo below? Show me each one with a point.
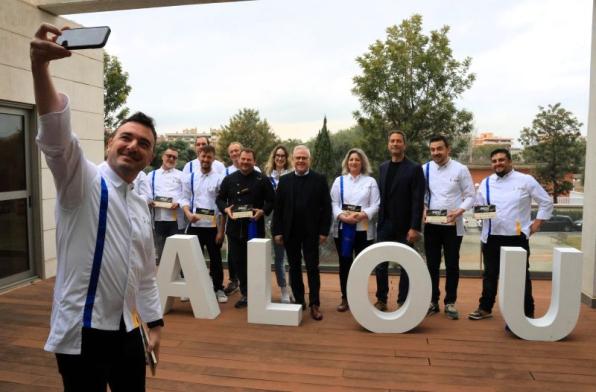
(331, 355)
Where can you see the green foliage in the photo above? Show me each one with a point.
(247, 128)
(411, 82)
(322, 153)
(291, 143)
(555, 144)
(185, 153)
(115, 93)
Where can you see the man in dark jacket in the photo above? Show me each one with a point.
(245, 197)
(401, 184)
(301, 222)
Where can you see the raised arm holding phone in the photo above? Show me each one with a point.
(105, 271)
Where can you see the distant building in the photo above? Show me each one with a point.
(189, 135)
(489, 138)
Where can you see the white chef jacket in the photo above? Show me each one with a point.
(206, 187)
(141, 186)
(512, 196)
(126, 281)
(166, 183)
(449, 187)
(362, 191)
(195, 166)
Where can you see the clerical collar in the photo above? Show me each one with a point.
(301, 175)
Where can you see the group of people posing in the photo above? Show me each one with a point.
(106, 263)
(237, 200)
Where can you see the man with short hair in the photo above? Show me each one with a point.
(511, 192)
(234, 150)
(165, 185)
(449, 191)
(195, 164)
(301, 222)
(200, 190)
(244, 192)
(401, 184)
(105, 275)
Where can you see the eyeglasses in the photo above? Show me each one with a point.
(170, 156)
(280, 155)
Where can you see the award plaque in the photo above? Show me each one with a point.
(205, 214)
(162, 202)
(350, 208)
(485, 212)
(436, 216)
(242, 211)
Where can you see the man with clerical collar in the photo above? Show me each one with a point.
(449, 193)
(195, 164)
(511, 193)
(200, 190)
(401, 184)
(105, 277)
(301, 222)
(165, 185)
(245, 197)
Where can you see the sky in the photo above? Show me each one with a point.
(294, 60)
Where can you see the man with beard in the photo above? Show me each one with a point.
(195, 164)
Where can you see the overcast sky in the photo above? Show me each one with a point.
(294, 60)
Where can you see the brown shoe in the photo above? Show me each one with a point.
(343, 306)
(315, 313)
(382, 306)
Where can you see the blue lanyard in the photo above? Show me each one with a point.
(273, 182)
(341, 190)
(227, 171)
(97, 256)
(428, 181)
(490, 226)
(153, 183)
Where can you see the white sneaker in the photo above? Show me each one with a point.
(222, 298)
(285, 295)
(184, 299)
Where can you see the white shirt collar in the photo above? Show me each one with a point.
(114, 178)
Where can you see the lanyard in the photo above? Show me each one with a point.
(227, 171)
(488, 202)
(97, 256)
(273, 182)
(341, 190)
(428, 182)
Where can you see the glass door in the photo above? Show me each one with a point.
(15, 213)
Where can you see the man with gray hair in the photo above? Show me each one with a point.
(301, 222)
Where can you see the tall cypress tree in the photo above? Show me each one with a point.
(322, 158)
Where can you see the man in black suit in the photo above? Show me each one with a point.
(401, 184)
(301, 222)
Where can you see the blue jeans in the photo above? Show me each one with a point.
(279, 253)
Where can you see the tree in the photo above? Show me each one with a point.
(322, 153)
(554, 143)
(115, 91)
(186, 153)
(411, 82)
(247, 128)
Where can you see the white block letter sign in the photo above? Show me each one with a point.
(184, 251)
(562, 315)
(260, 308)
(412, 311)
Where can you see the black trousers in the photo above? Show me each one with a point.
(232, 271)
(439, 238)
(345, 263)
(307, 246)
(116, 358)
(385, 232)
(491, 252)
(237, 257)
(163, 229)
(206, 236)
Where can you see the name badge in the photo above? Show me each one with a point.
(485, 212)
(242, 211)
(436, 216)
(163, 202)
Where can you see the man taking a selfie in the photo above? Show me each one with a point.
(106, 262)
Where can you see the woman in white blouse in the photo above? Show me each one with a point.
(355, 200)
(279, 164)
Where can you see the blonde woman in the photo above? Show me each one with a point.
(279, 164)
(355, 201)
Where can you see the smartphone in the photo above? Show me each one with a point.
(84, 37)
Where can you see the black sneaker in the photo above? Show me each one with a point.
(433, 308)
(231, 288)
(479, 314)
(242, 303)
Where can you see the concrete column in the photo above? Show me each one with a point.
(589, 225)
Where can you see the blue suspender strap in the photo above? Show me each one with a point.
(97, 256)
(192, 190)
(190, 166)
(428, 181)
(341, 190)
(227, 171)
(153, 184)
(488, 202)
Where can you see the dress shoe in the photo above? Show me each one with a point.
(343, 306)
(315, 313)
